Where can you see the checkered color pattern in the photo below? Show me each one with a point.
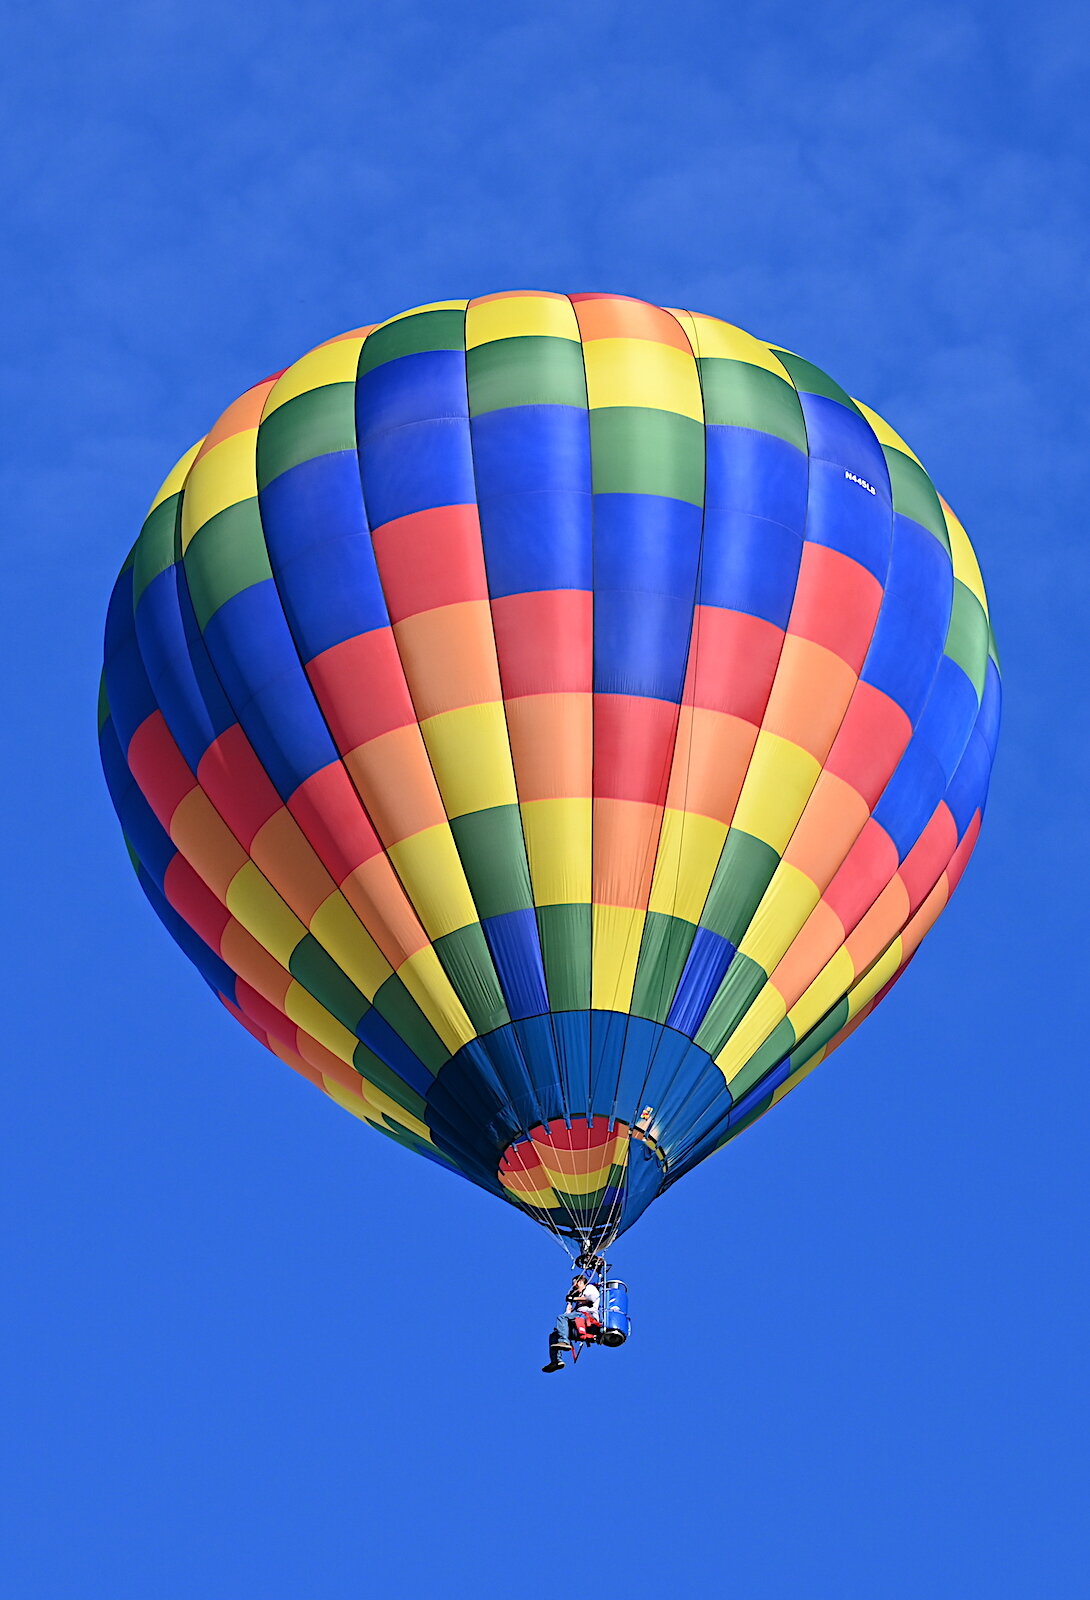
(533, 710)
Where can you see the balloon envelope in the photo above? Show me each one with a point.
(550, 724)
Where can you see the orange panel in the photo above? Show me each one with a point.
(834, 818)
(626, 838)
(449, 656)
(329, 1065)
(881, 925)
(810, 695)
(552, 744)
(254, 964)
(376, 895)
(614, 317)
(206, 841)
(281, 850)
(712, 751)
(244, 413)
(815, 944)
(395, 782)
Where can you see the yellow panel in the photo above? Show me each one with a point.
(779, 782)
(966, 566)
(878, 975)
(424, 978)
(329, 363)
(685, 321)
(766, 1013)
(253, 901)
(689, 849)
(224, 477)
(886, 435)
(301, 1006)
(827, 990)
(384, 1106)
(471, 756)
(785, 906)
(520, 315)
(340, 932)
(429, 866)
(346, 1099)
(433, 305)
(176, 477)
(616, 934)
(642, 372)
(577, 1182)
(543, 1199)
(715, 338)
(558, 844)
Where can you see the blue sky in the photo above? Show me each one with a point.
(249, 1349)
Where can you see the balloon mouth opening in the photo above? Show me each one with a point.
(576, 1177)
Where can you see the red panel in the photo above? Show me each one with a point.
(237, 784)
(265, 1014)
(161, 771)
(732, 662)
(964, 850)
(194, 901)
(431, 558)
(360, 686)
(868, 867)
(633, 747)
(331, 814)
(870, 742)
(545, 642)
(836, 603)
(925, 862)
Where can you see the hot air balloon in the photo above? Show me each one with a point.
(550, 724)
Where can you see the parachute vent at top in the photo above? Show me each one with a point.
(550, 724)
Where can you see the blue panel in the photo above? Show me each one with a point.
(709, 957)
(189, 693)
(504, 1052)
(391, 1048)
(571, 1030)
(836, 434)
(130, 694)
(416, 468)
(249, 643)
(608, 1030)
(949, 716)
(990, 704)
(516, 953)
(908, 640)
(969, 788)
(537, 1041)
(646, 554)
(911, 795)
(412, 388)
(321, 553)
(844, 516)
(695, 1097)
(206, 961)
(753, 473)
(532, 450)
(536, 541)
(749, 565)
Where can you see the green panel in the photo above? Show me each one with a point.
(993, 649)
(493, 854)
(744, 873)
(969, 636)
(224, 557)
(467, 962)
(313, 424)
(394, 1002)
(525, 371)
(565, 933)
(103, 702)
(741, 986)
(320, 976)
(738, 394)
(809, 379)
(914, 494)
(409, 336)
(663, 952)
(776, 1048)
(368, 1065)
(157, 547)
(638, 450)
(819, 1036)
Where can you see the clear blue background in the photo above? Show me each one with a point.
(249, 1348)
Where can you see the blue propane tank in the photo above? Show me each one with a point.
(616, 1323)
